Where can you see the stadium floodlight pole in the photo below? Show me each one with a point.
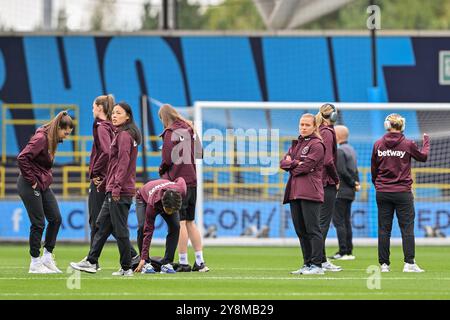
(144, 119)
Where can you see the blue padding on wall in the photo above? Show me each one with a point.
(297, 69)
(221, 68)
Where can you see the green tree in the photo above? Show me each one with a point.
(189, 16)
(62, 20)
(398, 14)
(149, 18)
(234, 15)
(103, 15)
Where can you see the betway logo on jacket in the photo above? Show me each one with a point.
(391, 153)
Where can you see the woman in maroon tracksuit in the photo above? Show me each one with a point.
(162, 197)
(304, 192)
(325, 118)
(35, 164)
(120, 189)
(103, 132)
(391, 175)
(181, 146)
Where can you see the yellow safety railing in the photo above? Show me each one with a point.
(19, 106)
(217, 188)
(2, 181)
(83, 185)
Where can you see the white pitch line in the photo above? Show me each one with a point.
(204, 277)
(215, 269)
(297, 294)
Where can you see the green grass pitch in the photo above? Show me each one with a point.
(236, 273)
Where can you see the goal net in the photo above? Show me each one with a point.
(240, 186)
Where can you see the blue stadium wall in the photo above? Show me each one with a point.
(181, 70)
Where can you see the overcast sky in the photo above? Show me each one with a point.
(25, 15)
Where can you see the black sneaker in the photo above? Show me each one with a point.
(183, 268)
(200, 268)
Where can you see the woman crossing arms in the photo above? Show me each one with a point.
(304, 192)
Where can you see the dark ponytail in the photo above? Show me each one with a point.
(130, 125)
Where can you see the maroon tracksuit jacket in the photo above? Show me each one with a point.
(151, 193)
(391, 161)
(305, 179)
(177, 138)
(103, 132)
(330, 175)
(121, 176)
(34, 161)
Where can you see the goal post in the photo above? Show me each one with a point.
(240, 188)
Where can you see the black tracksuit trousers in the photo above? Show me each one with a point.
(342, 220)
(305, 216)
(173, 233)
(326, 213)
(403, 204)
(113, 219)
(95, 204)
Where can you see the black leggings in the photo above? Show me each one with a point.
(40, 205)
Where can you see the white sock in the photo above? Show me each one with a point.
(199, 257)
(183, 258)
(35, 260)
(46, 253)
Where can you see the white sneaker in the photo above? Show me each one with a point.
(314, 270)
(49, 261)
(121, 272)
(328, 266)
(85, 266)
(97, 265)
(301, 270)
(337, 256)
(167, 268)
(412, 267)
(385, 268)
(39, 268)
(348, 257)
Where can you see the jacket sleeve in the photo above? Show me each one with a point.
(328, 161)
(342, 168)
(167, 147)
(422, 154)
(315, 154)
(288, 165)
(374, 164)
(100, 166)
(149, 227)
(124, 142)
(31, 150)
